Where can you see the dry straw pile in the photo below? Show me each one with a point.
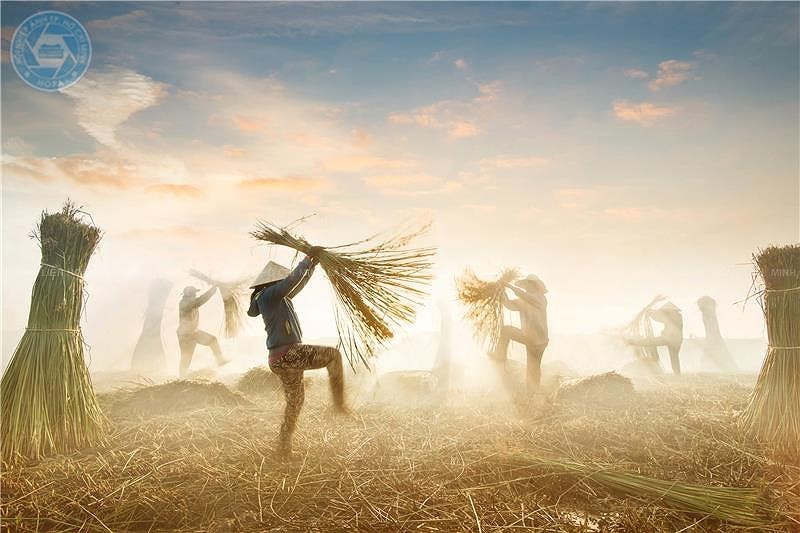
(174, 397)
(48, 405)
(774, 410)
(484, 304)
(259, 380)
(378, 283)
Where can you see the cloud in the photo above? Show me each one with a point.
(169, 233)
(575, 197)
(460, 64)
(704, 54)
(636, 74)
(357, 163)
(512, 162)
(246, 124)
(645, 113)
(560, 63)
(396, 181)
(360, 138)
(175, 189)
(106, 99)
(481, 209)
(626, 213)
(6, 33)
(440, 115)
(444, 115)
(80, 169)
(419, 184)
(127, 20)
(437, 56)
(457, 117)
(286, 184)
(488, 91)
(671, 73)
(233, 151)
(17, 146)
(463, 128)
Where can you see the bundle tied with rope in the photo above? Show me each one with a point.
(378, 283)
(232, 293)
(48, 404)
(484, 304)
(773, 413)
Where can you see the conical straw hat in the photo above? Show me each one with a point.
(272, 272)
(532, 280)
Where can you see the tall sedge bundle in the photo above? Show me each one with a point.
(48, 404)
(484, 303)
(733, 504)
(148, 354)
(377, 288)
(232, 294)
(774, 410)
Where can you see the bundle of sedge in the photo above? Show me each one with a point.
(232, 294)
(774, 409)
(378, 283)
(736, 505)
(48, 404)
(484, 303)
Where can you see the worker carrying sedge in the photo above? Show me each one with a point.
(531, 304)
(189, 334)
(272, 295)
(671, 336)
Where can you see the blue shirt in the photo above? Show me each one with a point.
(274, 304)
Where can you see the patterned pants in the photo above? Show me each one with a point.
(290, 365)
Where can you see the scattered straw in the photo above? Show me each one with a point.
(259, 380)
(431, 468)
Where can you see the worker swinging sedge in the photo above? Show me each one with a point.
(272, 295)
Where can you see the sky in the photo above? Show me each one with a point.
(617, 150)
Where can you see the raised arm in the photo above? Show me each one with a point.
(203, 298)
(303, 281)
(287, 286)
(514, 305)
(525, 297)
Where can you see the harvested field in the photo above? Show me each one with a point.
(461, 465)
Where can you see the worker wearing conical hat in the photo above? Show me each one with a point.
(671, 336)
(189, 334)
(272, 295)
(531, 304)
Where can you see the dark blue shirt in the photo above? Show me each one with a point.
(274, 304)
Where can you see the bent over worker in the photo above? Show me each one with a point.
(189, 335)
(272, 295)
(671, 336)
(532, 307)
